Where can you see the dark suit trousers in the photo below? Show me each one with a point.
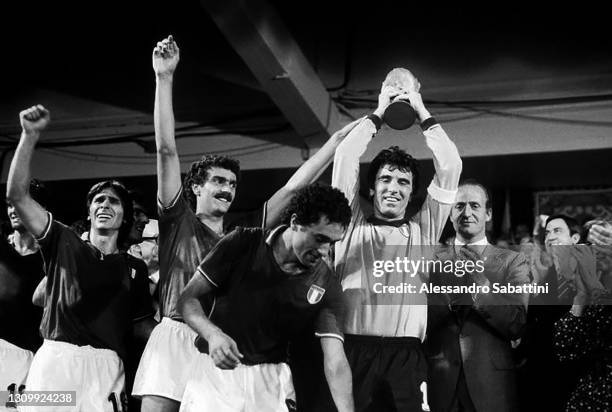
(462, 402)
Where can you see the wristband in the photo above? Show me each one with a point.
(376, 120)
(427, 123)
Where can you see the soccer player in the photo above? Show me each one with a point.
(383, 338)
(95, 294)
(191, 221)
(269, 285)
(21, 268)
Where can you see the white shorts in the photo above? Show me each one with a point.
(95, 374)
(256, 388)
(166, 361)
(14, 365)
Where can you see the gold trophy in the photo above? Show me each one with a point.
(400, 115)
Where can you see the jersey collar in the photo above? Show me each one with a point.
(373, 220)
(274, 234)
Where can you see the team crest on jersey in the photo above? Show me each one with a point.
(133, 273)
(315, 294)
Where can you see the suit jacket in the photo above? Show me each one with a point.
(477, 337)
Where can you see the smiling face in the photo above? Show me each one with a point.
(310, 243)
(106, 211)
(558, 233)
(470, 214)
(215, 196)
(392, 190)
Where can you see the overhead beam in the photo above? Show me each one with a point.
(259, 36)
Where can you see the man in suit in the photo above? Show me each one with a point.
(469, 334)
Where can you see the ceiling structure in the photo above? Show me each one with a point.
(269, 81)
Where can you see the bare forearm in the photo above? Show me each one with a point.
(194, 316)
(339, 379)
(19, 172)
(163, 115)
(168, 165)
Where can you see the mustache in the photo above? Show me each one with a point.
(224, 195)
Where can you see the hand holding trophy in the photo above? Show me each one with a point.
(400, 115)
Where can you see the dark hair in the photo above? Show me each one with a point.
(198, 173)
(572, 224)
(474, 182)
(394, 156)
(137, 197)
(316, 200)
(126, 203)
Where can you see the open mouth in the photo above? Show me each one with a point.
(224, 197)
(104, 216)
(391, 199)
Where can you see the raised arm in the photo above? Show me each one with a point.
(338, 373)
(345, 175)
(308, 173)
(165, 59)
(445, 154)
(34, 217)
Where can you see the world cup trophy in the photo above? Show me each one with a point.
(400, 115)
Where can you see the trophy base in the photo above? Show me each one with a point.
(399, 115)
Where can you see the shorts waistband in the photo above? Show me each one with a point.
(175, 324)
(383, 340)
(86, 350)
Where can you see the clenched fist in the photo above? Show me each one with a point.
(165, 57)
(35, 119)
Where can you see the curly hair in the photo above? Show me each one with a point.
(394, 156)
(316, 200)
(126, 203)
(198, 173)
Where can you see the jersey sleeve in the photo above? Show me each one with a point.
(176, 208)
(57, 242)
(141, 300)
(442, 190)
(328, 323)
(345, 173)
(218, 266)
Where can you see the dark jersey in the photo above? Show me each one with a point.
(19, 276)
(183, 242)
(91, 298)
(260, 306)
